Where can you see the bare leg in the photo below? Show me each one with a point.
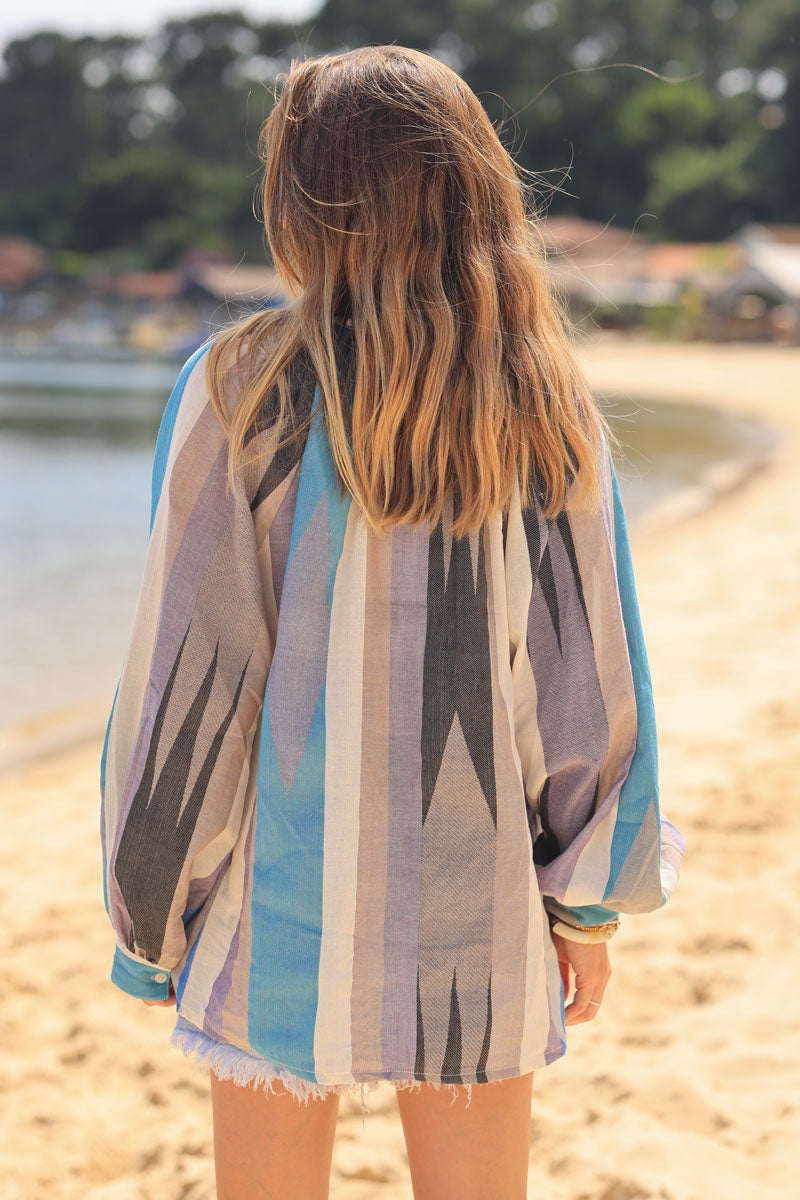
(271, 1147)
(475, 1153)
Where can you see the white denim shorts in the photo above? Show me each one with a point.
(249, 1069)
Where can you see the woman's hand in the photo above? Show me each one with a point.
(170, 1000)
(589, 961)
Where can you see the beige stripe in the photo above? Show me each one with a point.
(263, 519)
(343, 734)
(235, 1008)
(368, 974)
(197, 431)
(552, 986)
(537, 998)
(194, 404)
(593, 867)
(134, 675)
(639, 880)
(519, 586)
(594, 548)
(530, 763)
(512, 881)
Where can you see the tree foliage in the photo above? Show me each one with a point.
(682, 118)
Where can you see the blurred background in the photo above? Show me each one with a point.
(129, 181)
(128, 170)
(665, 140)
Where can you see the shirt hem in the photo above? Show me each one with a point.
(245, 1065)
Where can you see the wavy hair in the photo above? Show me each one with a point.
(392, 208)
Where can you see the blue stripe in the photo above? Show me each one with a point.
(640, 788)
(286, 901)
(166, 429)
(135, 977)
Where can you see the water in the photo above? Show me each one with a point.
(76, 447)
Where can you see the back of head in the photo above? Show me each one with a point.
(391, 205)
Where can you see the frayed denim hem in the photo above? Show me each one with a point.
(245, 1069)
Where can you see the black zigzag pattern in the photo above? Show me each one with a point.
(453, 1056)
(565, 529)
(451, 1063)
(302, 384)
(546, 846)
(542, 566)
(457, 665)
(159, 827)
(419, 1061)
(483, 1057)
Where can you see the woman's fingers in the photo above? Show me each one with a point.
(592, 973)
(580, 1009)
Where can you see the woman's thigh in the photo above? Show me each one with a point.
(270, 1145)
(478, 1152)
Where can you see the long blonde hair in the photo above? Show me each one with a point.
(390, 205)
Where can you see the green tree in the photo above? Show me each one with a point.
(149, 143)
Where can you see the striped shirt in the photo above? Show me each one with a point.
(345, 778)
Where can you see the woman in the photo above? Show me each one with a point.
(381, 765)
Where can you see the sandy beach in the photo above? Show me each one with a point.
(687, 1085)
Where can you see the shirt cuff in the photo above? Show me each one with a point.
(585, 914)
(139, 978)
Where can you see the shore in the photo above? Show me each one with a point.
(686, 1085)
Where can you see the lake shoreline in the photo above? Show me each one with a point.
(65, 727)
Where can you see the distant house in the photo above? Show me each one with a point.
(169, 310)
(149, 286)
(768, 231)
(704, 265)
(22, 262)
(761, 298)
(140, 308)
(578, 237)
(24, 269)
(210, 285)
(747, 287)
(598, 268)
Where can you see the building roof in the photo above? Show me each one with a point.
(149, 285)
(232, 281)
(578, 237)
(768, 231)
(20, 261)
(779, 265)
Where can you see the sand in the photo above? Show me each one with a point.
(687, 1084)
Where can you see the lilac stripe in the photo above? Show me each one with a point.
(404, 859)
(570, 710)
(213, 1017)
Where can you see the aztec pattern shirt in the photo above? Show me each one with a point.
(346, 777)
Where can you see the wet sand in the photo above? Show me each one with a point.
(687, 1084)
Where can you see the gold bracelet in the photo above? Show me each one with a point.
(585, 933)
(552, 916)
(575, 934)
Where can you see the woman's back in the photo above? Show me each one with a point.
(369, 764)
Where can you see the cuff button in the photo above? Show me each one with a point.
(160, 978)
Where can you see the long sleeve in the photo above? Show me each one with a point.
(585, 716)
(176, 758)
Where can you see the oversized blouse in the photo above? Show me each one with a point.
(346, 777)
